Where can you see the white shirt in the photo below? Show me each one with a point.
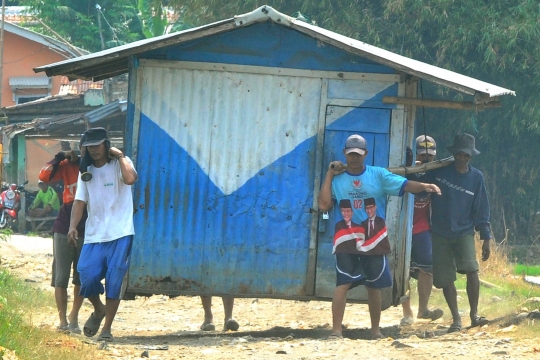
(109, 203)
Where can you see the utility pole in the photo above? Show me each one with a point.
(98, 10)
(106, 82)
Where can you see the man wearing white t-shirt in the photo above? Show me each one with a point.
(109, 227)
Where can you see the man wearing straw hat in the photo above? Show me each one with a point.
(462, 208)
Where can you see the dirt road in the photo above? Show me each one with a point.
(167, 328)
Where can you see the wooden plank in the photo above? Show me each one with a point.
(443, 104)
(253, 69)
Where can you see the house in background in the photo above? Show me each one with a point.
(24, 50)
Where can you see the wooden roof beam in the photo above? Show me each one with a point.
(441, 104)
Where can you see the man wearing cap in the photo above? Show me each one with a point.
(109, 228)
(65, 167)
(366, 262)
(46, 197)
(421, 265)
(461, 209)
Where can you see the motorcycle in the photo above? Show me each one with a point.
(10, 204)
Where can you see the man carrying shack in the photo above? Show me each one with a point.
(109, 228)
(65, 167)
(421, 266)
(362, 261)
(462, 208)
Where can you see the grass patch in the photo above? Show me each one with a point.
(523, 269)
(17, 304)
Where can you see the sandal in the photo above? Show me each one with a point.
(479, 321)
(231, 324)
(62, 328)
(406, 321)
(74, 328)
(433, 314)
(208, 327)
(335, 337)
(105, 336)
(91, 326)
(455, 327)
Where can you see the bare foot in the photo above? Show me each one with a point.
(376, 335)
(335, 336)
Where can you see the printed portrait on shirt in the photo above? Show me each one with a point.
(351, 237)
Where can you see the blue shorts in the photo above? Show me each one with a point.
(106, 260)
(421, 259)
(369, 270)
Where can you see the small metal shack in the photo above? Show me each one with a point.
(231, 127)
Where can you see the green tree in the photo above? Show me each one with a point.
(89, 24)
(492, 40)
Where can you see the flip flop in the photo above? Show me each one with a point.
(74, 328)
(231, 324)
(62, 328)
(433, 314)
(335, 337)
(455, 327)
(105, 336)
(406, 321)
(479, 321)
(208, 327)
(91, 326)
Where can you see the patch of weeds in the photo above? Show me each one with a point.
(17, 304)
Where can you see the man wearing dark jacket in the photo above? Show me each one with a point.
(461, 209)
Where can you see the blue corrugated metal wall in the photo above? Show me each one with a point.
(198, 228)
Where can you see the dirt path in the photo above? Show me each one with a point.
(168, 328)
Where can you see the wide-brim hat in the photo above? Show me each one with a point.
(95, 136)
(463, 143)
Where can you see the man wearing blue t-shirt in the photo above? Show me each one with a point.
(461, 209)
(362, 259)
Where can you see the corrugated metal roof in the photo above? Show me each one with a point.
(29, 82)
(106, 110)
(115, 61)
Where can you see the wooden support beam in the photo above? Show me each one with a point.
(445, 104)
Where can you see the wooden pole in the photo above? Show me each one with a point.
(405, 170)
(459, 105)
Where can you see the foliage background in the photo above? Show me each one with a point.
(492, 40)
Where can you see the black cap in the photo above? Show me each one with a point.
(345, 204)
(369, 202)
(95, 136)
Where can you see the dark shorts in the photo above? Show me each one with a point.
(106, 260)
(370, 270)
(65, 258)
(451, 256)
(421, 254)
